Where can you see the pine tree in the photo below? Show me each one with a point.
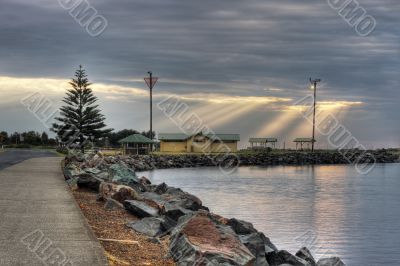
(80, 119)
(3, 137)
(44, 138)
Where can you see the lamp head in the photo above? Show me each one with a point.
(313, 81)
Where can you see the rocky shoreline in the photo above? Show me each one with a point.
(196, 236)
(151, 162)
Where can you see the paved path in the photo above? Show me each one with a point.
(11, 157)
(40, 218)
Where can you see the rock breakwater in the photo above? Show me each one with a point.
(197, 236)
(151, 162)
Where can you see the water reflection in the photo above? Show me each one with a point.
(331, 209)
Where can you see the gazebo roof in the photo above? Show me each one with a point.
(137, 138)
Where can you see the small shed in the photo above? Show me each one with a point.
(198, 143)
(302, 141)
(136, 144)
(262, 142)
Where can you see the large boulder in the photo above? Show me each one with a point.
(103, 176)
(140, 209)
(178, 197)
(174, 211)
(191, 202)
(255, 242)
(183, 199)
(200, 240)
(89, 181)
(241, 227)
(150, 226)
(306, 255)
(71, 171)
(112, 204)
(173, 206)
(93, 171)
(122, 174)
(74, 157)
(95, 161)
(168, 224)
(120, 193)
(144, 181)
(161, 188)
(334, 261)
(154, 199)
(280, 257)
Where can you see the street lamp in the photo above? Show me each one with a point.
(151, 81)
(314, 83)
(151, 104)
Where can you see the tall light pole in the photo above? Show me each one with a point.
(314, 82)
(151, 81)
(151, 104)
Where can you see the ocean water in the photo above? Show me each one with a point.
(333, 210)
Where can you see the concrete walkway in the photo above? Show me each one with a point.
(40, 222)
(14, 156)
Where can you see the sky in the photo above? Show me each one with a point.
(240, 66)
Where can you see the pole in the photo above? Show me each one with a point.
(314, 82)
(313, 130)
(151, 109)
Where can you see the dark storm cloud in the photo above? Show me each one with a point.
(244, 42)
(226, 46)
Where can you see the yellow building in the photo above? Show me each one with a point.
(198, 143)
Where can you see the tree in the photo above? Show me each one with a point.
(31, 137)
(3, 137)
(80, 119)
(45, 138)
(114, 137)
(52, 142)
(147, 134)
(15, 138)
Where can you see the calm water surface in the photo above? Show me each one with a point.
(331, 209)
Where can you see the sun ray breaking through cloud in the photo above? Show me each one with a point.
(290, 123)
